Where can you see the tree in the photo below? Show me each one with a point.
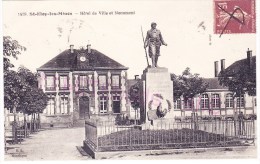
(12, 93)
(241, 81)
(33, 100)
(12, 89)
(11, 48)
(134, 96)
(21, 92)
(12, 82)
(188, 85)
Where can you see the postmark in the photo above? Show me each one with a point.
(234, 17)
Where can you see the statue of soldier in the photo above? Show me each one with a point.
(154, 40)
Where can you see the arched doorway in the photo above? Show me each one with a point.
(83, 107)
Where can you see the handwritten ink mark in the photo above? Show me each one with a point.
(232, 16)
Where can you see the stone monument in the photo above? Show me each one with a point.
(157, 86)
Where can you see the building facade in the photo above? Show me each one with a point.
(80, 84)
(216, 101)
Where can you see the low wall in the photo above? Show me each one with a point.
(56, 121)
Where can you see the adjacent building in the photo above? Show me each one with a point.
(218, 100)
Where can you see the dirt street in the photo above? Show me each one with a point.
(55, 144)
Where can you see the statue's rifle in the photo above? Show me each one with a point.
(145, 48)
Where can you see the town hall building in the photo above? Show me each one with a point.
(81, 83)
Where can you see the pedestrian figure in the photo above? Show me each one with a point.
(241, 123)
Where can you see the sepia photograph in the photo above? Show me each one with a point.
(129, 80)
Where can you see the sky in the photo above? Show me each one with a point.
(120, 37)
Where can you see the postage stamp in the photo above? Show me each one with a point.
(234, 16)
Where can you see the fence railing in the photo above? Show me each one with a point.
(106, 136)
(19, 130)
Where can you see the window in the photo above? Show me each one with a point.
(116, 104)
(204, 101)
(103, 104)
(83, 82)
(178, 103)
(64, 105)
(115, 81)
(51, 106)
(215, 101)
(188, 103)
(102, 82)
(50, 83)
(229, 102)
(240, 102)
(63, 82)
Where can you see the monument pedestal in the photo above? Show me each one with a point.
(157, 88)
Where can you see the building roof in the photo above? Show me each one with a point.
(214, 83)
(239, 65)
(68, 61)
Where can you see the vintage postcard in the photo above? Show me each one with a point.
(129, 80)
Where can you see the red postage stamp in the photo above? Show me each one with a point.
(234, 16)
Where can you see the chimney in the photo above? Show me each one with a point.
(89, 48)
(216, 68)
(249, 58)
(72, 48)
(222, 64)
(136, 77)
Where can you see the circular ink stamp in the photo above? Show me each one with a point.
(234, 16)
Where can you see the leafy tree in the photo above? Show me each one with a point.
(134, 96)
(12, 89)
(33, 99)
(21, 92)
(11, 48)
(188, 85)
(13, 84)
(12, 94)
(241, 81)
